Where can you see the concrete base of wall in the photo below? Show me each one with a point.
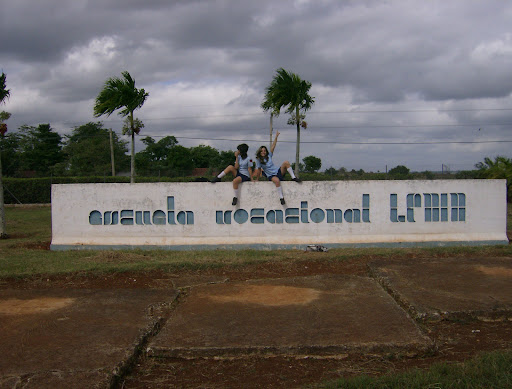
(268, 247)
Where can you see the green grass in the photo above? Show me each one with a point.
(29, 230)
(489, 370)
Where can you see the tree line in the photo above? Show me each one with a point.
(39, 151)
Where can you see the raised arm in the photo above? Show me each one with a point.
(237, 165)
(274, 143)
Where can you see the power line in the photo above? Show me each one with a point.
(312, 127)
(316, 142)
(415, 110)
(329, 112)
(340, 143)
(415, 125)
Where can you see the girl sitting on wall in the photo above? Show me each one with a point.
(272, 172)
(242, 171)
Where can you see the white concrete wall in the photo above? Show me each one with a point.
(80, 212)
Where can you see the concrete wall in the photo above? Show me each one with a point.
(331, 213)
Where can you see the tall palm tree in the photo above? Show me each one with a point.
(4, 95)
(287, 89)
(121, 94)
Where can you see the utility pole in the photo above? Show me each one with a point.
(112, 154)
(3, 128)
(3, 232)
(271, 129)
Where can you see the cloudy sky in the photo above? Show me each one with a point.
(415, 83)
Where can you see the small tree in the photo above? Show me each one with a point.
(41, 149)
(205, 156)
(399, 172)
(154, 158)
(88, 152)
(300, 169)
(331, 172)
(179, 161)
(226, 158)
(312, 164)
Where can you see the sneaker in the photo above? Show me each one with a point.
(216, 179)
(297, 179)
(283, 202)
(235, 200)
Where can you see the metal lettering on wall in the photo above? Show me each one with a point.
(436, 207)
(443, 207)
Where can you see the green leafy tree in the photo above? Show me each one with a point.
(429, 175)
(121, 94)
(3, 126)
(331, 172)
(179, 161)
(205, 156)
(87, 151)
(41, 149)
(226, 158)
(154, 158)
(289, 90)
(4, 95)
(301, 167)
(312, 164)
(10, 154)
(399, 172)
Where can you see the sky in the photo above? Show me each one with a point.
(425, 84)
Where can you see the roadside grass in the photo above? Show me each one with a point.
(488, 370)
(26, 254)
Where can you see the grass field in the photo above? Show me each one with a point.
(26, 252)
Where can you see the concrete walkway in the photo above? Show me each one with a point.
(304, 315)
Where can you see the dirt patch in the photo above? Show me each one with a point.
(45, 245)
(117, 257)
(496, 271)
(38, 305)
(455, 340)
(269, 295)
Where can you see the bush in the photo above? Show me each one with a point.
(38, 190)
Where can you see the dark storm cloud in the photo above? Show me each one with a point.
(393, 71)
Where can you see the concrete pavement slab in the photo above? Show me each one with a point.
(73, 338)
(450, 287)
(302, 315)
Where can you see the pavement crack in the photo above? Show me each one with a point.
(161, 312)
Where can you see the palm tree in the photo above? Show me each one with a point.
(121, 94)
(4, 94)
(289, 90)
(500, 168)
